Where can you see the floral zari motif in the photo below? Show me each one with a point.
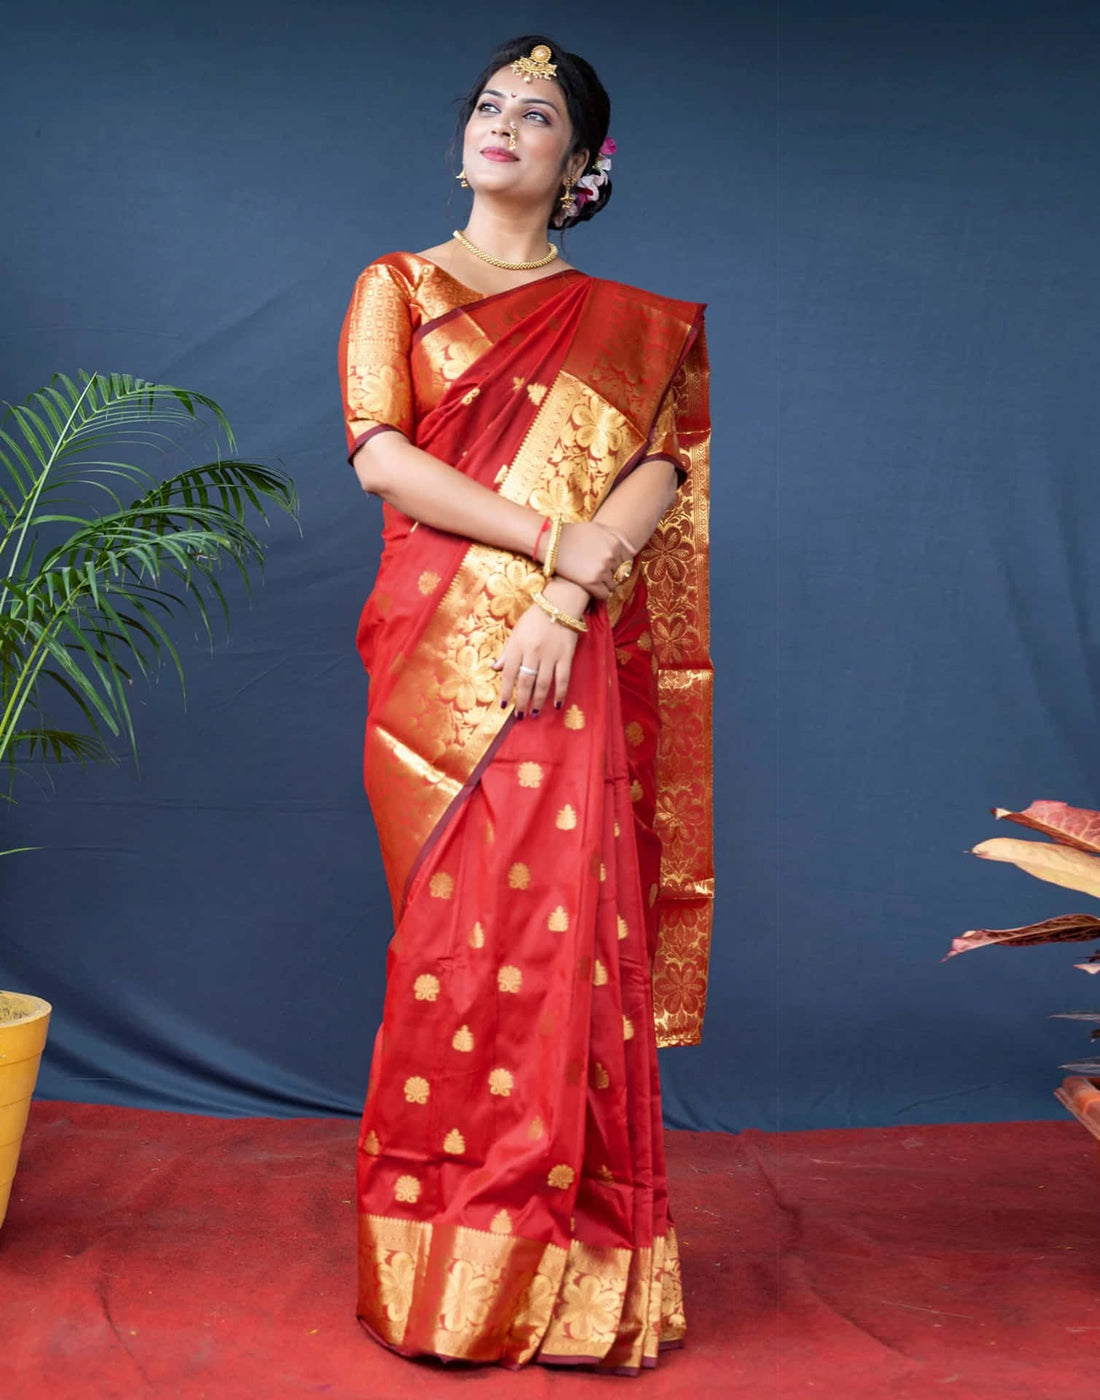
(574, 1302)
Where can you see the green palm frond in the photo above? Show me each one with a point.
(59, 746)
(87, 596)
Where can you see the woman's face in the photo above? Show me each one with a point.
(534, 170)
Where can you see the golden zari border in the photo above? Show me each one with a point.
(496, 1297)
(675, 566)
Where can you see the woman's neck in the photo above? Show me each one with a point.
(507, 235)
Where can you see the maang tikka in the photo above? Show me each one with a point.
(536, 65)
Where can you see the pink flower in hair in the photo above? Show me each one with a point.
(608, 148)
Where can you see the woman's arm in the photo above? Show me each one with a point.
(633, 509)
(429, 490)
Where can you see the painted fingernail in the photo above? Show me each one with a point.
(534, 714)
(519, 714)
(504, 704)
(558, 704)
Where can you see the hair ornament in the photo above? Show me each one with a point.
(536, 65)
(588, 186)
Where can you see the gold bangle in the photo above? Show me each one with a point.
(575, 624)
(552, 543)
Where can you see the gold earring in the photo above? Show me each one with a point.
(462, 180)
(567, 202)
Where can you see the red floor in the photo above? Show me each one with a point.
(172, 1255)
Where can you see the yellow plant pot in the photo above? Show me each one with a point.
(24, 1021)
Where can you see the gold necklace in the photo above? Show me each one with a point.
(500, 262)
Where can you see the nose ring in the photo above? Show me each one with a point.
(512, 136)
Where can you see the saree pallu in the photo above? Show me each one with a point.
(512, 1193)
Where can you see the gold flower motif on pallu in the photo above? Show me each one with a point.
(509, 590)
(469, 683)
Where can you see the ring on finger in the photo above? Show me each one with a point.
(528, 670)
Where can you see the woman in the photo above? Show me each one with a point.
(539, 440)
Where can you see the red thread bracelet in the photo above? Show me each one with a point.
(535, 548)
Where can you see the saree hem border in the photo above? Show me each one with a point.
(508, 1297)
(648, 1363)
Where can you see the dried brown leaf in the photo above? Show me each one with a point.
(1069, 826)
(1066, 928)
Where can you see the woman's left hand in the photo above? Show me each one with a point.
(545, 648)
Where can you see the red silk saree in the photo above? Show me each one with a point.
(551, 880)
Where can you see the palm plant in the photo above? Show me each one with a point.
(1071, 859)
(89, 580)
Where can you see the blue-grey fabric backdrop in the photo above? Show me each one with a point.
(894, 226)
(191, 193)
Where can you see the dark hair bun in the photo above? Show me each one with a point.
(586, 101)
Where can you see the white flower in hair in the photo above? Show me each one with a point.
(588, 186)
(591, 182)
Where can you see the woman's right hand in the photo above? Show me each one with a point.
(589, 553)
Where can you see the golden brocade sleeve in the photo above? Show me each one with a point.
(374, 356)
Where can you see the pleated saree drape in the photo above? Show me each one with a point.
(551, 879)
